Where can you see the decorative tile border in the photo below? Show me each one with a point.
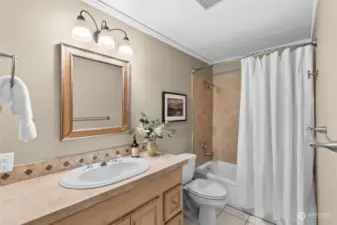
(33, 170)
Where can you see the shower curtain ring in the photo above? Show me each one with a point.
(314, 74)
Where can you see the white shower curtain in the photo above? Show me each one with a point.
(275, 162)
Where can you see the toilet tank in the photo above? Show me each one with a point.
(189, 168)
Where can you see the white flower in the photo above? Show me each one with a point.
(159, 131)
(141, 130)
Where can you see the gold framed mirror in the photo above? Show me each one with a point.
(95, 97)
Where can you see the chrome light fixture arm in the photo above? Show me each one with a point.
(101, 35)
(81, 17)
(332, 145)
(126, 38)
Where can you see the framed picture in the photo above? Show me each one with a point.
(174, 107)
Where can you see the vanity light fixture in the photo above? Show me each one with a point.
(102, 36)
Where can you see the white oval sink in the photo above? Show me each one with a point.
(98, 176)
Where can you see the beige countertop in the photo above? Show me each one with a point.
(42, 200)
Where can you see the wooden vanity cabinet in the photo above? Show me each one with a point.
(124, 221)
(148, 214)
(173, 202)
(177, 220)
(153, 202)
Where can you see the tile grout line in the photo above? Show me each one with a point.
(252, 215)
(237, 216)
(222, 210)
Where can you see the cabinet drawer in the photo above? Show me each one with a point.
(173, 202)
(177, 220)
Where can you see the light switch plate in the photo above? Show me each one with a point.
(6, 162)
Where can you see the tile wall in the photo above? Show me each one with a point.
(226, 109)
(202, 115)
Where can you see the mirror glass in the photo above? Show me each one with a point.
(97, 94)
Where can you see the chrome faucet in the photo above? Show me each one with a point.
(88, 165)
(204, 149)
(110, 159)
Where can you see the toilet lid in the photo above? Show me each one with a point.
(206, 189)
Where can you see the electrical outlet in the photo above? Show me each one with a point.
(6, 162)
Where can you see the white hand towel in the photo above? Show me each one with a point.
(21, 105)
(5, 91)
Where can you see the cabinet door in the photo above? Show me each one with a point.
(148, 215)
(173, 202)
(124, 221)
(177, 220)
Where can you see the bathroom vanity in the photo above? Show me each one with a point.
(151, 198)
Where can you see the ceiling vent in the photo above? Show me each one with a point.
(206, 4)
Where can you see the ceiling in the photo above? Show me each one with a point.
(230, 29)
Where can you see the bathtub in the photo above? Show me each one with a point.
(224, 174)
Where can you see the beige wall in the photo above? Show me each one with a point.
(33, 30)
(226, 109)
(326, 161)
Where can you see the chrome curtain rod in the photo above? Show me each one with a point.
(263, 52)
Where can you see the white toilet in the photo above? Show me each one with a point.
(207, 194)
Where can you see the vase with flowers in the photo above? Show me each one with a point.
(151, 130)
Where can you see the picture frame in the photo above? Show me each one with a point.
(174, 107)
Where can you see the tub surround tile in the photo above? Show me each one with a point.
(202, 115)
(236, 212)
(226, 109)
(37, 169)
(202, 134)
(202, 95)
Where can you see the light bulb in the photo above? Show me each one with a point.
(105, 40)
(125, 48)
(81, 31)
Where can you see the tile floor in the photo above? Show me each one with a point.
(233, 216)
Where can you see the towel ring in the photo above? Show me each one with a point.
(13, 71)
(13, 57)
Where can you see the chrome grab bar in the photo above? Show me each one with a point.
(331, 145)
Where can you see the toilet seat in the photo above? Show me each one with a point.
(206, 189)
